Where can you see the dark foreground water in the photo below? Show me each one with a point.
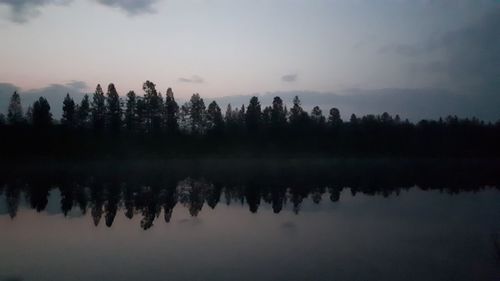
(260, 221)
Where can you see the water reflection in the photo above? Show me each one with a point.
(148, 193)
(358, 220)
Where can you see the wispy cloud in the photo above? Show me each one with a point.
(194, 79)
(131, 7)
(289, 78)
(469, 56)
(21, 11)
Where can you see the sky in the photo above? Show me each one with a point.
(430, 48)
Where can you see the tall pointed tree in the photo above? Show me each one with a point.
(29, 115)
(154, 106)
(171, 112)
(141, 113)
(114, 109)
(253, 116)
(69, 112)
(83, 112)
(15, 110)
(298, 117)
(131, 111)
(98, 109)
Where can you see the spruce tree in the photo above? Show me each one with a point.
(171, 112)
(253, 116)
(98, 109)
(15, 110)
(114, 109)
(41, 113)
(69, 112)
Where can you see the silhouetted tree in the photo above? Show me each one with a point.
(41, 113)
(114, 110)
(228, 114)
(98, 109)
(69, 112)
(298, 117)
(154, 107)
(278, 114)
(317, 116)
(253, 117)
(83, 112)
(171, 112)
(131, 111)
(215, 122)
(197, 113)
(267, 116)
(334, 119)
(353, 120)
(29, 115)
(141, 113)
(15, 110)
(386, 118)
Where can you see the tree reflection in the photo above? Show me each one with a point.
(148, 195)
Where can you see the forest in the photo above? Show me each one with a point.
(105, 125)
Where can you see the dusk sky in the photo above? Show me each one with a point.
(236, 47)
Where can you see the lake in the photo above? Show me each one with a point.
(251, 220)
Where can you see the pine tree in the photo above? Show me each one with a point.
(114, 109)
(15, 110)
(197, 113)
(69, 112)
(215, 122)
(98, 109)
(298, 117)
(171, 112)
(141, 114)
(154, 107)
(317, 116)
(253, 116)
(131, 111)
(334, 119)
(278, 114)
(41, 113)
(83, 112)
(29, 115)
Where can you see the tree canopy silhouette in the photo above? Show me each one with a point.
(153, 124)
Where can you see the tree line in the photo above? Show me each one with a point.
(271, 128)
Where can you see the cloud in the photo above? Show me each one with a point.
(21, 11)
(194, 79)
(80, 85)
(468, 57)
(289, 78)
(54, 93)
(131, 7)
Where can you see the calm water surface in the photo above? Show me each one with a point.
(195, 228)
